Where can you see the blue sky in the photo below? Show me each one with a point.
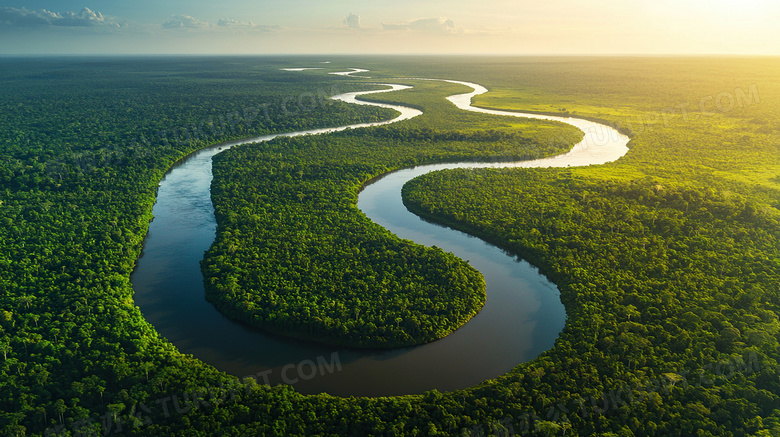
(400, 26)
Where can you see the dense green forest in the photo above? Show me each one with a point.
(294, 255)
(657, 278)
(667, 260)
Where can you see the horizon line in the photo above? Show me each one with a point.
(550, 55)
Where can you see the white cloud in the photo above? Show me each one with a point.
(227, 22)
(23, 17)
(184, 22)
(353, 21)
(431, 25)
(230, 23)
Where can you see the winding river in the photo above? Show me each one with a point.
(521, 319)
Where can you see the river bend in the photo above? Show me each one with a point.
(521, 319)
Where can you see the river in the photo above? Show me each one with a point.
(521, 319)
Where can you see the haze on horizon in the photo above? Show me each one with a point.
(553, 27)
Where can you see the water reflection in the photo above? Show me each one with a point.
(521, 319)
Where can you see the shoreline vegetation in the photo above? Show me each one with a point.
(644, 346)
(302, 261)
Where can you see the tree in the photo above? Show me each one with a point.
(5, 347)
(146, 366)
(7, 319)
(26, 300)
(41, 410)
(115, 409)
(547, 428)
(631, 311)
(59, 408)
(93, 382)
(565, 426)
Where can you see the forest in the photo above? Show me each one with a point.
(667, 260)
(294, 256)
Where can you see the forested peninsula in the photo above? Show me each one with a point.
(667, 260)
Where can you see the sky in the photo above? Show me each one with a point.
(524, 27)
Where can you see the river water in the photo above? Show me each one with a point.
(521, 319)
